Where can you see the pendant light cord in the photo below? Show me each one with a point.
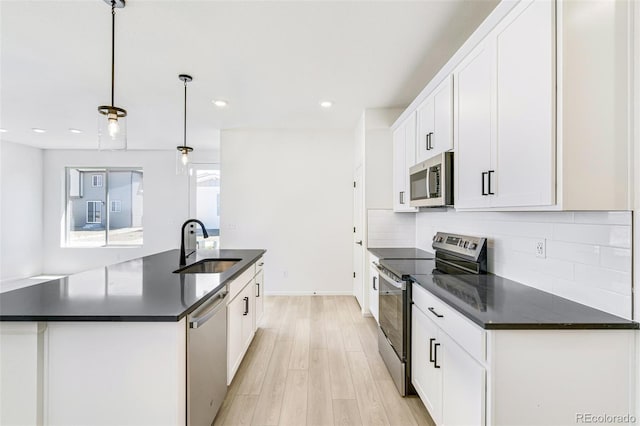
(185, 114)
(113, 48)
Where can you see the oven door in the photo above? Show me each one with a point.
(392, 296)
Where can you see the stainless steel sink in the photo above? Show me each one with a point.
(208, 266)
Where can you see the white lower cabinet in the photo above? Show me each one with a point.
(240, 328)
(259, 295)
(374, 282)
(466, 375)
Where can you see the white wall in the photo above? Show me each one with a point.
(165, 205)
(290, 192)
(588, 254)
(21, 211)
(388, 229)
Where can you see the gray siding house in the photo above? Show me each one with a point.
(89, 201)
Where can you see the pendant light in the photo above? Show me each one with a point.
(112, 126)
(182, 158)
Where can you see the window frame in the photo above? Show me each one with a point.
(115, 206)
(97, 181)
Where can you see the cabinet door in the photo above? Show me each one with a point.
(442, 138)
(373, 292)
(426, 129)
(426, 378)
(474, 83)
(463, 401)
(259, 295)
(404, 155)
(248, 314)
(525, 144)
(235, 310)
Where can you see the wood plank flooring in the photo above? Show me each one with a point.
(314, 361)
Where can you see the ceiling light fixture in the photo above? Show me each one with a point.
(37, 130)
(220, 103)
(326, 104)
(76, 131)
(112, 132)
(182, 159)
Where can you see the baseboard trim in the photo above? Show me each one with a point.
(308, 293)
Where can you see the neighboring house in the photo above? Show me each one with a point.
(89, 201)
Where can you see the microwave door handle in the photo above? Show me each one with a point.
(428, 180)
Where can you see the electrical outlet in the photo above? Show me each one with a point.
(541, 248)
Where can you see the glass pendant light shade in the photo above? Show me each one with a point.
(112, 128)
(183, 159)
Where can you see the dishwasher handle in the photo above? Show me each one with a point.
(198, 321)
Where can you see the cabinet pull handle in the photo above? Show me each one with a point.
(258, 284)
(374, 283)
(433, 311)
(483, 190)
(246, 306)
(431, 140)
(435, 355)
(261, 263)
(431, 349)
(426, 141)
(401, 197)
(489, 179)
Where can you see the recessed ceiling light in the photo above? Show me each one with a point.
(35, 129)
(220, 103)
(326, 104)
(75, 131)
(3, 130)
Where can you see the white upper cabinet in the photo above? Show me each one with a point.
(435, 120)
(505, 115)
(474, 88)
(404, 155)
(524, 147)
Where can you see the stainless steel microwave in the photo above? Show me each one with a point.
(431, 182)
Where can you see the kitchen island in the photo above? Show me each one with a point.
(109, 345)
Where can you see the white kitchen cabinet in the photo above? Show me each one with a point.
(463, 397)
(374, 282)
(474, 83)
(426, 378)
(435, 120)
(240, 326)
(504, 115)
(404, 155)
(259, 295)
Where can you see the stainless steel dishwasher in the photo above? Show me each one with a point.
(207, 360)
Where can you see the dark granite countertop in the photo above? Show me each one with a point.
(497, 303)
(144, 289)
(400, 253)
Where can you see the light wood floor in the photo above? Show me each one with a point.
(315, 361)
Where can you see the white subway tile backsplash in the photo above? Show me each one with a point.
(605, 235)
(615, 258)
(588, 254)
(388, 229)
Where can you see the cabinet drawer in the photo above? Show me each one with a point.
(461, 330)
(239, 283)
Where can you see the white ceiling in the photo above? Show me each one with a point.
(273, 61)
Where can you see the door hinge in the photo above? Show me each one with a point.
(354, 229)
(354, 183)
(354, 275)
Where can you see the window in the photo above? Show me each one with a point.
(204, 201)
(103, 207)
(96, 181)
(116, 206)
(94, 211)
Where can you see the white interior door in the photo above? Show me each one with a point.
(358, 244)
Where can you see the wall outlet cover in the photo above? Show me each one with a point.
(541, 248)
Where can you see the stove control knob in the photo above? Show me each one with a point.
(466, 244)
(473, 246)
(435, 238)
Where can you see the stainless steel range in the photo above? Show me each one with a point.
(454, 254)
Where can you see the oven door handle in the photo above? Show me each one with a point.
(400, 285)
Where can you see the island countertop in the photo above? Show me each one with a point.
(144, 289)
